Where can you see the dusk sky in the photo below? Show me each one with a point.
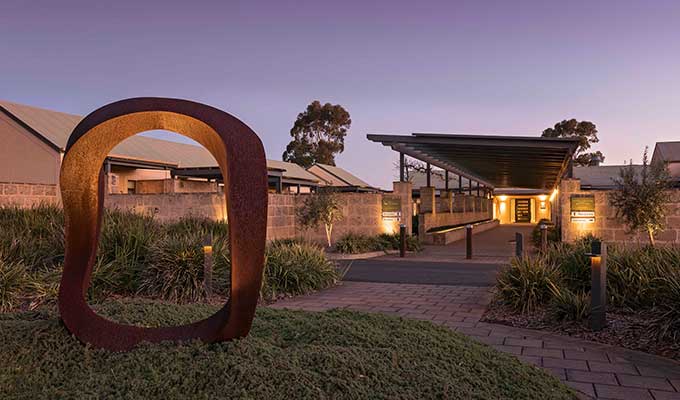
(506, 67)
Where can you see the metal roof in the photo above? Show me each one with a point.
(343, 175)
(55, 128)
(667, 152)
(602, 176)
(494, 161)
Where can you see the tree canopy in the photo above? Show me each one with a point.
(318, 135)
(585, 131)
(320, 208)
(640, 199)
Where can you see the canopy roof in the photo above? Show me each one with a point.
(493, 161)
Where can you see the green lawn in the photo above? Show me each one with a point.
(289, 355)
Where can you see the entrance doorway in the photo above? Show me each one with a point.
(522, 210)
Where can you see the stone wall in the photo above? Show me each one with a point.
(606, 225)
(465, 209)
(28, 194)
(362, 212)
(170, 206)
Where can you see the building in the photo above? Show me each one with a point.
(33, 143)
(339, 179)
(520, 180)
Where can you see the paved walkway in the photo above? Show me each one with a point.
(596, 370)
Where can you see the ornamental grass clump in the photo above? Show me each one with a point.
(175, 272)
(295, 269)
(524, 285)
(33, 237)
(125, 250)
(566, 305)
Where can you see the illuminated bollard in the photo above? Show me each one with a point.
(402, 240)
(207, 264)
(519, 245)
(598, 292)
(544, 238)
(468, 241)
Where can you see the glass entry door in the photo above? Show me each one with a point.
(522, 210)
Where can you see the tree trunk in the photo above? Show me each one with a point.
(329, 230)
(650, 232)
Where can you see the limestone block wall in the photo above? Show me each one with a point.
(606, 225)
(361, 211)
(27, 195)
(170, 206)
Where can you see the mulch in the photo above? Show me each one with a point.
(625, 328)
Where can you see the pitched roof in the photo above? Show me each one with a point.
(56, 127)
(600, 177)
(666, 151)
(342, 175)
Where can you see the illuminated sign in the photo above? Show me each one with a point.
(582, 208)
(391, 208)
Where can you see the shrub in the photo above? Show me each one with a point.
(296, 268)
(525, 283)
(553, 233)
(14, 284)
(666, 321)
(566, 305)
(33, 237)
(125, 249)
(176, 270)
(573, 263)
(353, 243)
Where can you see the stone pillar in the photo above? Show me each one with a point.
(447, 201)
(405, 191)
(427, 200)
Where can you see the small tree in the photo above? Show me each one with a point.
(321, 208)
(640, 199)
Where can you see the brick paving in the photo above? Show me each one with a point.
(596, 370)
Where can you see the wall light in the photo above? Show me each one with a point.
(553, 194)
(503, 197)
(542, 197)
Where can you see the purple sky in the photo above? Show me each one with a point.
(506, 67)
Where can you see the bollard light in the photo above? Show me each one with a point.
(544, 238)
(402, 240)
(468, 241)
(598, 292)
(207, 249)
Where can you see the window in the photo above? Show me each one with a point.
(132, 187)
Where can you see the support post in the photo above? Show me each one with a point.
(469, 187)
(544, 238)
(519, 245)
(446, 180)
(460, 184)
(477, 189)
(207, 264)
(468, 241)
(428, 172)
(598, 292)
(402, 240)
(402, 165)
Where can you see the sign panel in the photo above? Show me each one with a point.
(582, 208)
(391, 208)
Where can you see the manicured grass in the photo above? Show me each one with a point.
(289, 355)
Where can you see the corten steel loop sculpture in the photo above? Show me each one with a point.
(241, 158)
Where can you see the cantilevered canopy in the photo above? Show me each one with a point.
(494, 161)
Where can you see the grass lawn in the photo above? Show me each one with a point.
(289, 355)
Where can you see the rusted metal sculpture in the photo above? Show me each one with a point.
(241, 158)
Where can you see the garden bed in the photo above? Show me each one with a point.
(625, 328)
(551, 291)
(288, 355)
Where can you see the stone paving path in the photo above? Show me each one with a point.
(596, 370)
